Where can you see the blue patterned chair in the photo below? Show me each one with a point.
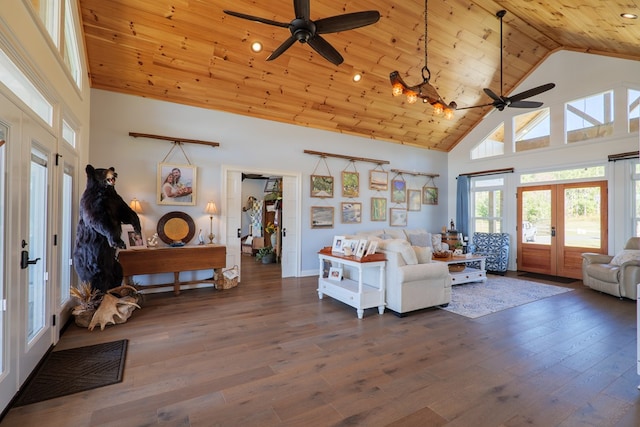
(494, 246)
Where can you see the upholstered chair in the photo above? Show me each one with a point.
(495, 247)
(615, 275)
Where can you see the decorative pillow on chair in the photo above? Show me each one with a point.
(420, 239)
(625, 255)
(436, 242)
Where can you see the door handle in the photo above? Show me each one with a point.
(553, 232)
(25, 261)
(239, 233)
(284, 232)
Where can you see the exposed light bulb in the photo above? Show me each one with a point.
(438, 109)
(397, 89)
(448, 113)
(412, 97)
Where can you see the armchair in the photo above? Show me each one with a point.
(495, 247)
(615, 275)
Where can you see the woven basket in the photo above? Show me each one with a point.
(456, 268)
(442, 255)
(224, 282)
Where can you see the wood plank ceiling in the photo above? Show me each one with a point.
(190, 52)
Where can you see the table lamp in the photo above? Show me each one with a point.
(211, 209)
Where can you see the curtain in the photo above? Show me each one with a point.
(462, 204)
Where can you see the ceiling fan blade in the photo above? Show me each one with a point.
(532, 92)
(348, 21)
(323, 47)
(525, 104)
(492, 95)
(256, 19)
(302, 9)
(474, 106)
(280, 50)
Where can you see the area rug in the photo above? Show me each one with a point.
(74, 370)
(497, 293)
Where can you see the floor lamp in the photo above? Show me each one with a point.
(211, 209)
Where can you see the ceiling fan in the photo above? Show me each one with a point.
(305, 30)
(517, 100)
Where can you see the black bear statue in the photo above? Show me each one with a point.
(102, 213)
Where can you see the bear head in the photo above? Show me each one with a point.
(103, 178)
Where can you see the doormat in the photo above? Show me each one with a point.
(556, 279)
(498, 293)
(74, 370)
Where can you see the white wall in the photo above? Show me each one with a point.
(576, 75)
(246, 142)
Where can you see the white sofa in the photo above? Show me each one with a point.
(413, 280)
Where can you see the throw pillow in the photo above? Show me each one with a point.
(625, 255)
(402, 247)
(436, 242)
(420, 239)
(423, 254)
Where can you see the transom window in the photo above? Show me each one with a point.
(532, 130)
(633, 97)
(590, 117)
(492, 145)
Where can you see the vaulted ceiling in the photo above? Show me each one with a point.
(190, 52)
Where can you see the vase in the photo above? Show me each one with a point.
(268, 259)
(273, 240)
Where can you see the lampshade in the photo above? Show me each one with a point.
(211, 208)
(135, 205)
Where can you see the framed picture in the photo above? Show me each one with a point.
(362, 247)
(351, 212)
(349, 247)
(398, 217)
(378, 209)
(176, 184)
(350, 184)
(322, 216)
(429, 195)
(321, 186)
(398, 191)
(371, 249)
(326, 266)
(272, 185)
(335, 273)
(338, 241)
(131, 238)
(414, 200)
(378, 180)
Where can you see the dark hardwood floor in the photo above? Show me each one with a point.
(269, 353)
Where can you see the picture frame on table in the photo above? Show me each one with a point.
(176, 184)
(362, 247)
(371, 249)
(272, 185)
(338, 241)
(414, 200)
(131, 238)
(378, 180)
(335, 273)
(322, 216)
(321, 186)
(398, 191)
(398, 217)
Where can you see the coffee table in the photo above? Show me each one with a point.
(469, 274)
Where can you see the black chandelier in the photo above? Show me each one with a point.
(423, 90)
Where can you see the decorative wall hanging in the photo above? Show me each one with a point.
(429, 195)
(414, 200)
(321, 186)
(378, 180)
(350, 182)
(378, 209)
(398, 217)
(322, 216)
(351, 212)
(176, 184)
(398, 191)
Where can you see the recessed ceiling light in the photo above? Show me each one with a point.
(629, 15)
(256, 47)
(357, 77)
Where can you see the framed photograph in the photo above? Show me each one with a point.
(398, 191)
(272, 185)
(322, 216)
(429, 195)
(350, 246)
(350, 184)
(398, 217)
(362, 247)
(414, 200)
(371, 249)
(321, 186)
(326, 266)
(176, 184)
(131, 238)
(351, 212)
(378, 209)
(378, 180)
(338, 241)
(335, 273)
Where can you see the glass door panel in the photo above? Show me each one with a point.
(582, 225)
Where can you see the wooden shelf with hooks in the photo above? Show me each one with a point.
(342, 156)
(174, 139)
(403, 172)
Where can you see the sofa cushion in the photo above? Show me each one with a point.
(423, 254)
(420, 239)
(603, 272)
(396, 233)
(625, 255)
(402, 247)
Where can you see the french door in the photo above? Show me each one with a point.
(557, 223)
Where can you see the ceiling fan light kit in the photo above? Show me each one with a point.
(304, 30)
(423, 90)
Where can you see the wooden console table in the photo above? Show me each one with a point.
(172, 260)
